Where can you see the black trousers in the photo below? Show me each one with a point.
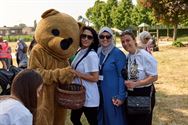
(90, 113)
(141, 119)
(17, 59)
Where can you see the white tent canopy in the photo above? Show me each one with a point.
(117, 30)
(143, 25)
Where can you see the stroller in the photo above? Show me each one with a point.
(6, 77)
(155, 46)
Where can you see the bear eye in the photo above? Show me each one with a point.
(55, 32)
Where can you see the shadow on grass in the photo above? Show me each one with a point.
(170, 109)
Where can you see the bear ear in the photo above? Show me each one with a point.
(81, 26)
(49, 12)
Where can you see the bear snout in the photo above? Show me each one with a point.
(65, 43)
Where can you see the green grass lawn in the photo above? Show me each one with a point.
(183, 38)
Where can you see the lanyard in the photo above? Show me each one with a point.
(102, 65)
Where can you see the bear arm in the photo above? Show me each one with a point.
(58, 75)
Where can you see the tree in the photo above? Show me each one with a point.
(109, 8)
(171, 12)
(99, 14)
(185, 22)
(122, 14)
(141, 14)
(22, 25)
(94, 14)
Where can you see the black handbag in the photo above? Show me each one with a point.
(139, 104)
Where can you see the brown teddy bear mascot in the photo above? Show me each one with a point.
(57, 36)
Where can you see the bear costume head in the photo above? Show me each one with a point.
(58, 33)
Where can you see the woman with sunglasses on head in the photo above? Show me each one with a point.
(111, 83)
(145, 41)
(86, 65)
(142, 72)
(20, 107)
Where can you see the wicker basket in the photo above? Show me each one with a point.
(70, 96)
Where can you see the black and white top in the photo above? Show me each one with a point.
(141, 65)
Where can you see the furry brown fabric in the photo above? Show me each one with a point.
(57, 36)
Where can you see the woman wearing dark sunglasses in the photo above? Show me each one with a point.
(111, 84)
(86, 65)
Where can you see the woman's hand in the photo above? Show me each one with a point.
(92, 76)
(77, 74)
(130, 84)
(148, 80)
(117, 102)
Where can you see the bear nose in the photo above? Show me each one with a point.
(65, 43)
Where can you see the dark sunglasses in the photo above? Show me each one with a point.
(89, 37)
(103, 36)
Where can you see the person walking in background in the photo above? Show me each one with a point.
(145, 41)
(3, 53)
(20, 107)
(32, 44)
(21, 54)
(142, 72)
(8, 50)
(111, 84)
(86, 65)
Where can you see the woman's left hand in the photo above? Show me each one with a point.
(117, 102)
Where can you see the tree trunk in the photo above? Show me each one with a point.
(167, 34)
(175, 32)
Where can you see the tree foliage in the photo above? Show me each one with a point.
(99, 14)
(122, 14)
(109, 8)
(22, 25)
(141, 14)
(168, 12)
(94, 13)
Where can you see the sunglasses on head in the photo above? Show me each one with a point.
(89, 37)
(128, 31)
(105, 36)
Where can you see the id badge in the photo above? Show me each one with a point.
(101, 77)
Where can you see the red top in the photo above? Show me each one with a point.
(5, 51)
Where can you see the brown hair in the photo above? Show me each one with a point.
(128, 32)
(95, 43)
(24, 87)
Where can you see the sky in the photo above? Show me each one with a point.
(14, 12)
